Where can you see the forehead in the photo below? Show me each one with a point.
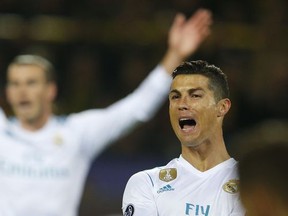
(25, 71)
(184, 81)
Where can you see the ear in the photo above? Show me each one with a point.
(223, 107)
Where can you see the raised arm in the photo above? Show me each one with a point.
(185, 36)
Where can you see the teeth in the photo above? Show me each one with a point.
(186, 122)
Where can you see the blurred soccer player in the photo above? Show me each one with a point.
(44, 159)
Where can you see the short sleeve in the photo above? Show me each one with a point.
(238, 209)
(138, 198)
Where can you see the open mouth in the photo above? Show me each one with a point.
(24, 104)
(186, 123)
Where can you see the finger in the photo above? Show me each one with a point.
(179, 20)
(202, 17)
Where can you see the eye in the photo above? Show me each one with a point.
(32, 82)
(196, 95)
(12, 84)
(174, 96)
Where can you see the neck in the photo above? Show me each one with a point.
(35, 124)
(206, 155)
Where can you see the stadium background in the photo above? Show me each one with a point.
(102, 49)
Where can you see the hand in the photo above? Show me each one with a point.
(185, 36)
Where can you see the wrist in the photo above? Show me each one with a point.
(171, 60)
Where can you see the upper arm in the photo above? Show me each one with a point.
(238, 209)
(100, 127)
(138, 196)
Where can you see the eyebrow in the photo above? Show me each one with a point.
(189, 90)
(174, 91)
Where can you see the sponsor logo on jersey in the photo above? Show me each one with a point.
(168, 174)
(129, 211)
(165, 188)
(232, 186)
(195, 209)
(30, 169)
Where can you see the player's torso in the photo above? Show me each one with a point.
(189, 194)
(40, 168)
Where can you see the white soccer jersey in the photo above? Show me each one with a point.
(42, 173)
(178, 189)
(2, 119)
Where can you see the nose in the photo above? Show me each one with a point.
(183, 105)
(20, 88)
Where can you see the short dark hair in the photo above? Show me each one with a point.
(36, 60)
(217, 79)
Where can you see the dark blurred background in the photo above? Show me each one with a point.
(102, 49)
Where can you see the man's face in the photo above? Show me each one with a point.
(29, 93)
(193, 109)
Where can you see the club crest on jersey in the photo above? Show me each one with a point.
(232, 186)
(129, 211)
(58, 140)
(168, 174)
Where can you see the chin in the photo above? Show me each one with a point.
(190, 144)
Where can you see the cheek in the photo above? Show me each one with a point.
(11, 96)
(209, 116)
(38, 94)
(171, 111)
(209, 107)
(171, 115)
(173, 119)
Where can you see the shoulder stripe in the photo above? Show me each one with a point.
(150, 180)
